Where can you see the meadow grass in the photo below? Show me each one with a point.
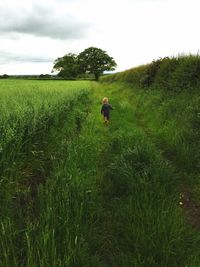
(172, 121)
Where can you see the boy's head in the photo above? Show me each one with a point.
(105, 100)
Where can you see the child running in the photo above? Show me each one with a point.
(105, 110)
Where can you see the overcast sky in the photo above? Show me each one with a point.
(33, 33)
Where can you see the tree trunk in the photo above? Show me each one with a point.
(96, 76)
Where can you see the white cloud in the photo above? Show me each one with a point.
(41, 20)
(132, 31)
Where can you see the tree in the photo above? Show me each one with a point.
(67, 66)
(4, 76)
(96, 61)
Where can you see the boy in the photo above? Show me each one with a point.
(105, 110)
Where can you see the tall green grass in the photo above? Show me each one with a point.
(173, 121)
(141, 222)
(36, 119)
(147, 226)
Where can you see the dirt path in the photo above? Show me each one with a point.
(190, 207)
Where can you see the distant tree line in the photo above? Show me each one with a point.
(92, 62)
(31, 77)
(47, 77)
(4, 76)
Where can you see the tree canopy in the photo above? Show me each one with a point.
(92, 60)
(67, 66)
(96, 61)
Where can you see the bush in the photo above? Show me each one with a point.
(187, 73)
(175, 74)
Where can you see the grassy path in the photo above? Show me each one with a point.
(106, 229)
(137, 218)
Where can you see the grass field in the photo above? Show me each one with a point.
(75, 192)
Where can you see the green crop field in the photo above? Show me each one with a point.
(77, 193)
(37, 118)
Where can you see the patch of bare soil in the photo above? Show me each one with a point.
(190, 208)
